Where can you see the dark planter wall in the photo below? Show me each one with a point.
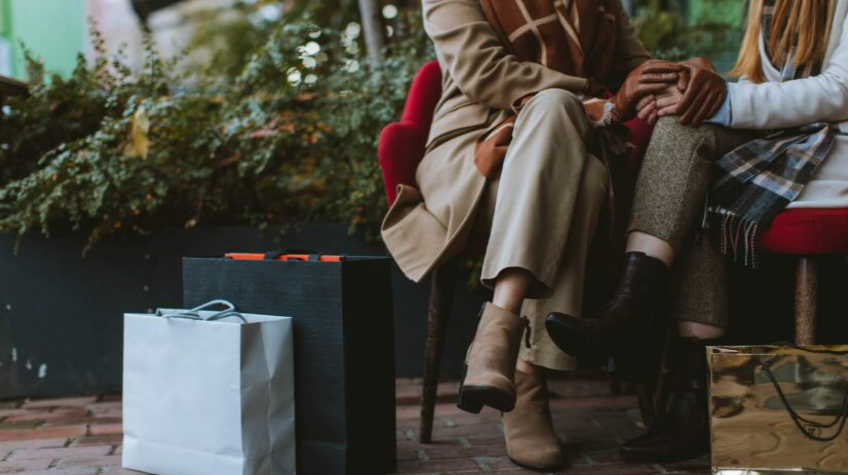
(61, 314)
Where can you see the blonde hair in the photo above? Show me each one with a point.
(800, 24)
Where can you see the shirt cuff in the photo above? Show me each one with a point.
(724, 116)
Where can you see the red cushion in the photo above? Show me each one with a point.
(808, 231)
(640, 132)
(424, 95)
(402, 144)
(401, 150)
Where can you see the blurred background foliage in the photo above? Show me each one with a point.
(683, 29)
(270, 116)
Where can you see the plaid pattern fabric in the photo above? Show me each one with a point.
(574, 37)
(756, 181)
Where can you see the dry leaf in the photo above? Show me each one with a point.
(138, 144)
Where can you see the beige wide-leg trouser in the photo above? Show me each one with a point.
(543, 214)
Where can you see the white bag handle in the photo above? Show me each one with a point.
(194, 314)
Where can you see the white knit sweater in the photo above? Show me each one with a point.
(823, 98)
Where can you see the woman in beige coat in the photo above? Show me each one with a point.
(519, 148)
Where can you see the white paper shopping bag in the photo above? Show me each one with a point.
(208, 393)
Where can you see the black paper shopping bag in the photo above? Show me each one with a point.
(343, 349)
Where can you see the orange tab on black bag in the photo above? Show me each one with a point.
(285, 255)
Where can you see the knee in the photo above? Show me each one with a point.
(556, 111)
(667, 128)
(678, 147)
(555, 101)
(557, 97)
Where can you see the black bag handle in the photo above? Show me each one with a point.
(273, 255)
(809, 428)
(314, 256)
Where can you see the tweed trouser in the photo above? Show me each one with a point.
(671, 193)
(543, 212)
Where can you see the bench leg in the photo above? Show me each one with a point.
(441, 298)
(806, 290)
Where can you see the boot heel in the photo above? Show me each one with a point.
(466, 401)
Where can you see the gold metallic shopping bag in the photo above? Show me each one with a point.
(777, 409)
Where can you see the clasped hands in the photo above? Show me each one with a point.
(691, 90)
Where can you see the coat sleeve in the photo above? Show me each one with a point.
(483, 69)
(776, 105)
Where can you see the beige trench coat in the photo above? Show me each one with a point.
(430, 224)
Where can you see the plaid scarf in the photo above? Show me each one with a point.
(756, 181)
(574, 37)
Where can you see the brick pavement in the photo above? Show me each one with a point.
(82, 436)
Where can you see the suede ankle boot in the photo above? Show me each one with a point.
(529, 432)
(630, 327)
(489, 371)
(683, 431)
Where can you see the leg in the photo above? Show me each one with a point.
(537, 192)
(670, 195)
(511, 286)
(700, 331)
(531, 441)
(532, 218)
(700, 303)
(568, 285)
(806, 288)
(700, 298)
(673, 183)
(650, 245)
(441, 297)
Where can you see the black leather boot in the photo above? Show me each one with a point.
(683, 431)
(630, 327)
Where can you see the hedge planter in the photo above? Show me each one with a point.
(61, 314)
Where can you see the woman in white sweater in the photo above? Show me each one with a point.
(737, 155)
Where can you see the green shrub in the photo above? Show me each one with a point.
(291, 138)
